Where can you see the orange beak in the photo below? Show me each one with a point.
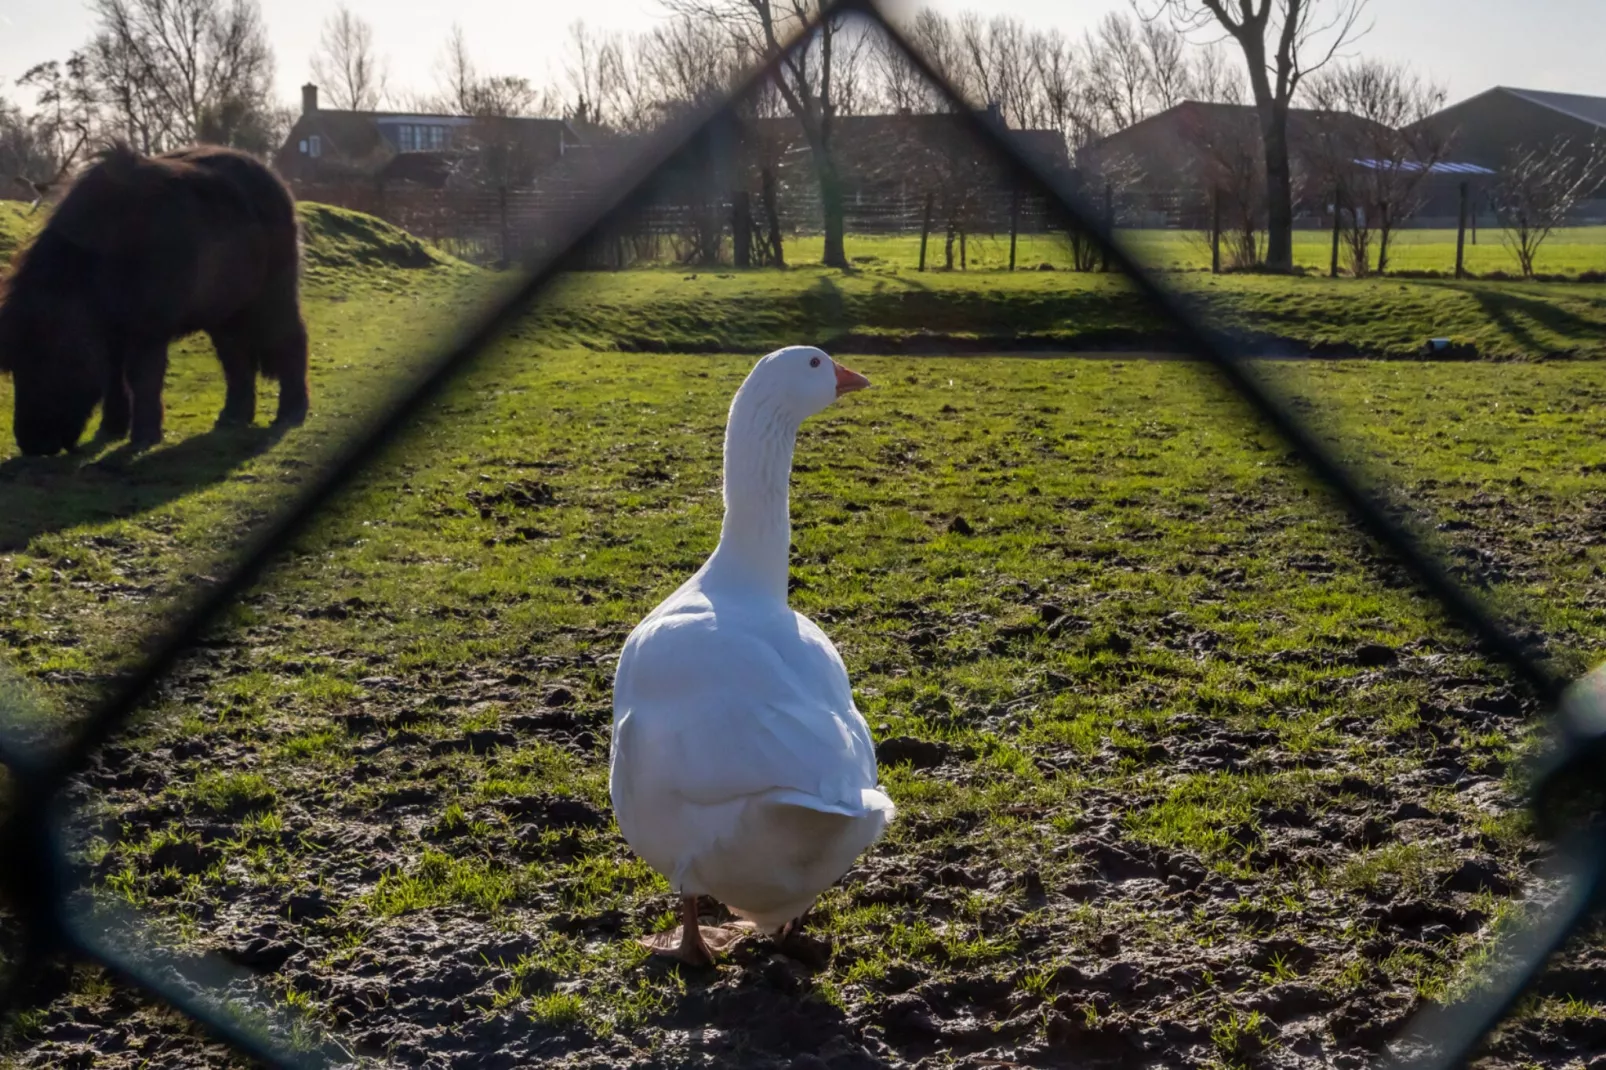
(848, 380)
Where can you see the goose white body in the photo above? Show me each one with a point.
(740, 767)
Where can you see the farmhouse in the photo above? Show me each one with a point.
(1168, 162)
(1492, 127)
(333, 146)
(1489, 127)
(889, 164)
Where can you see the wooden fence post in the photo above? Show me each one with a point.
(1461, 236)
(925, 231)
(507, 241)
(1338, 227)
(1109, 222)
(1014, 223)
(1215, 234)
(741, 229)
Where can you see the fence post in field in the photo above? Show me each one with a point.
(1461, 235)
(501, 210)
(1474, 222)
(1109, 222)
(925, 231)
(1014, 223)
(1338, 227)
(741, 229)
(1215, 233)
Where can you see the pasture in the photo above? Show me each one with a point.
(1187, 772)
(1569, 251)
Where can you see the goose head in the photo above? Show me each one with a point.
(800, 381)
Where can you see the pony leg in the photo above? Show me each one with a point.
(288, 362)
(147, 369)
(240, 375)
(116, 405)
(279, 340)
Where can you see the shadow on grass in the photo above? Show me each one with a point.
(1517, 314)
(760, 1008)
(43, 495)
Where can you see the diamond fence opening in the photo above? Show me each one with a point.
(706, 213)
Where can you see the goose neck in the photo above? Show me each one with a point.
(756, 537)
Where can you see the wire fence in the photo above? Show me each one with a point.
(52, 915)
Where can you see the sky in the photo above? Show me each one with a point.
(1466, 45)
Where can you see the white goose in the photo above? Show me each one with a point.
(740, 767)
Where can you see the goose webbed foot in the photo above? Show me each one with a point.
(691, 943)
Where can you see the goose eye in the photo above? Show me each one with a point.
(814, 362)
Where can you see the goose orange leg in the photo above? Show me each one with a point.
(690, 947)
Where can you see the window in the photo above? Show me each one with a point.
(315, 146)
(419, 137)
(303, 146)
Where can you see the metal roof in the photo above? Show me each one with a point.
(1587, 109)
(1442, 168)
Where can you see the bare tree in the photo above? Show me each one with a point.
(1118, 68)
(346, 65)
(690, 63)
(1170, 74)
(1369, 154)
(597, 80)
(1213, 77)
(457, 74)
(465, 91)
(29, 153)
(1064, 100)
(805, 78)
(66, 104)
(902, 86)
(1283, 42)
(1539, 188)
(166, 68)
(1229, 153)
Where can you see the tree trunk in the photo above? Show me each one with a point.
(1461, 237)
(1385, 230)
(925, 231)
(832, 208)
(949, 247)
(1215, 233)
(772, 216)
(1109, 225)
(1338, 227)
(501, 210)
(1279, 187)
(1014, 223)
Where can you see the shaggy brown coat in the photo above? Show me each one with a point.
(141, 251)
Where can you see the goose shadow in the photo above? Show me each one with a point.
(761, 1007)
(45, 495)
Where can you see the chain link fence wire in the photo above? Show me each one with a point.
(53, 917)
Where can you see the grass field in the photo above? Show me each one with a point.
(1187, 774)
(1569, 251)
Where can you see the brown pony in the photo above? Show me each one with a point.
(141, 251)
